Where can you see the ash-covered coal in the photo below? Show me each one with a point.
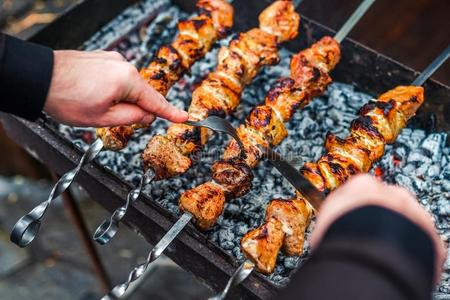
(418, 160)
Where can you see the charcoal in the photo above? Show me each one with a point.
(291, 262)
(417, 161)
(434, 171)
(433, 144)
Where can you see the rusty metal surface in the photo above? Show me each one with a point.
(369, 71)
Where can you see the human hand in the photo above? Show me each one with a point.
(363, 190)
(101, 89)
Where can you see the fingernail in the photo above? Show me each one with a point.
(148, 119)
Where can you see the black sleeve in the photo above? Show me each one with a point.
(369, 253)
(25, 76)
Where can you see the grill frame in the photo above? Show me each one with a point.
(375, 73)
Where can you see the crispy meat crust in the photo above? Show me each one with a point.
(261, 245)
(234, 176)
(295, 217)
(205, 202)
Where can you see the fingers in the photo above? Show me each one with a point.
(153, 102)
(125, 114)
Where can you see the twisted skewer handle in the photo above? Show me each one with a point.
(108, 229)
(119, 290)
(26, 229)
(244, 270)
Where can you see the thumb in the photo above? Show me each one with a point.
(153, 102)
(125, 114)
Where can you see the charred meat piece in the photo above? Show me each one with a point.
(234, 176)
(114, 138)
(407, 99)
(188, 138)
(261, 245)
(174, 161)
(324, 54)
(294, 216)
(280, 20)
(285, 97)
(205, 202)
(221, 13)
(264, 120)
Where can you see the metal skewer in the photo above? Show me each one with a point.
(108, 229)
(26, 229)
(156, 252)
(242, 272)
(437, 62)
(216, 124)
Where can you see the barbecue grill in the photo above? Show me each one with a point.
(365, 69)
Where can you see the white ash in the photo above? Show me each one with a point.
(418, 160)
(123, 24)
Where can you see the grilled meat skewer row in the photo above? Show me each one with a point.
(263, 128)
(196, 37)
(379, 123)
(220, 92)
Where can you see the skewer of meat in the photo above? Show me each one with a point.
(219, 94)
(379, 123)
(261, 132)
(196, 37)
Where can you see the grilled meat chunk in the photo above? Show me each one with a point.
(261, 245)
(407, 99)
(234, 176)
(256, 49)
(175, 161)
(221, 13)
(265, 120)
(115, 138)
(280, 20)
(324, 55)
(294, 216)
(285, 97)
(187, 138)
(194, 40)
(205, 202)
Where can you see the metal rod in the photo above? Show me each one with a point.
(108, 229)
(437, 62)
(77, 219)
(155, 253)
(27, 228)
(354, 18)
(244, 270)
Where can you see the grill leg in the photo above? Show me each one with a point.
(77, 220)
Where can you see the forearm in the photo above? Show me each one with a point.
(369, 253)
(25, 76)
